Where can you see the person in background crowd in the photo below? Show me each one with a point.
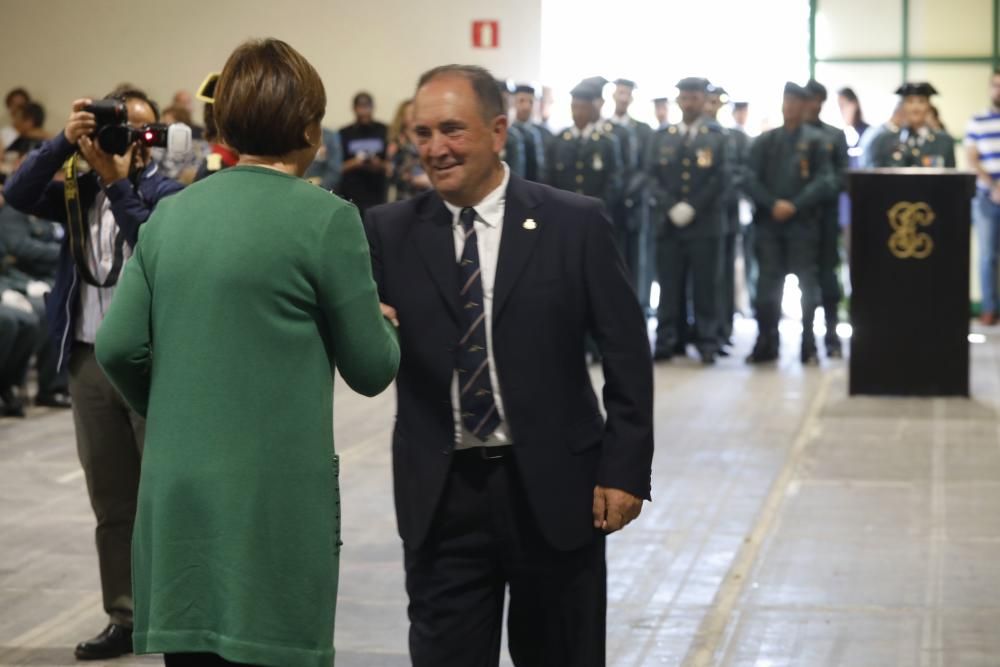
(934, 120)
(634, 234)
(715, 99)
(536, 138)
(364, 143)
(740, 205)
(183, 100)
(982, 147)
(252, 287)
(790, 174)
(15, 99)
(407, 175)
(741, 113)
(854, 120)
(116, 197)
(864, 152)
(515, 152)
(829, 219)
(661, 109)
(326, 169)
(583, 158)
(687, 176)
(219, 155)
(29, 121)
(526, 101)
(20, 331)
(916, 143)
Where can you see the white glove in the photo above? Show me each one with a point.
(16, 300)
(37, 289)
(681, 214)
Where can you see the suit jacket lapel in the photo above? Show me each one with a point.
(435, 241)
(516, 242)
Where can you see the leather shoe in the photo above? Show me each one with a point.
(115, 641)
(763, 354)
(54, 400)
(12, 405)
(833, 349)
(663, 355)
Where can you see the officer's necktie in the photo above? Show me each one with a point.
(479, 411)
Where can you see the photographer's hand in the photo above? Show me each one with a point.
(80, 123)
(110, 168)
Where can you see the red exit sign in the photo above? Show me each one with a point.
(486, 34)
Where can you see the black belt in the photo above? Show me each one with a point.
(486, 453)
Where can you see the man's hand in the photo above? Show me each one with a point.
(614, 509)
(389, 313)
(80, 123)
(110, 168)
(783, 210)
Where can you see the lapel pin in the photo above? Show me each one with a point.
(530, 224)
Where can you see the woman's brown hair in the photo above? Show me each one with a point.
(267, 95)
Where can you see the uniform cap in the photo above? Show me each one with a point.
(816, 89)
(625, 82)
(923, 89)
(586, 91)
(694, 83)
(524, 88)
(792, 88)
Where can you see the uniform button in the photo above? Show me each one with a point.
(686, 176)
(579, 178)
(579, 165)
(685, 189)
(687, 162)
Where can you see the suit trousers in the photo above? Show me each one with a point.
(109, 438)
(829, 262)
(727, 288)
(674, 256)
(484, 540)
(781, 251)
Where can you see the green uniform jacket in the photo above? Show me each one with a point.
(692, 171)
(738, 161)
(794, 166)
(243, 293)
(906, 149)
(836, 145)
(589, 165)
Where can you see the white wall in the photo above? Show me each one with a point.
(63, 49)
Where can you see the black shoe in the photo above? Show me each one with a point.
(56, 399)
(723, 352)
(808, 355)
(680, 349)
(708, 358)
(763, 354)
(12, 405)
(663, 355)
(834, 349)
(114, 642)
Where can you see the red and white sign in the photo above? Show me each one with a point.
(486, 34)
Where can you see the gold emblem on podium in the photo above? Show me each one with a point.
(907, 241)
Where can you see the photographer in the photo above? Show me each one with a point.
(114, 198)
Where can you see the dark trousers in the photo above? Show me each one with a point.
(484, 539)
(19, 335)
(727, 288)
(198, 660)
(674, 256)
(780, 252)
(829, 283)
(109, 439)
(751, 271)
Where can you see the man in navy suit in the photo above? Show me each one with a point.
(506, 472)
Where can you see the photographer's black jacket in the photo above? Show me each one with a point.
(31, 190)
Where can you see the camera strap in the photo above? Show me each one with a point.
(79, 231)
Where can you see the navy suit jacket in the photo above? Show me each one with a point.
(554, 284)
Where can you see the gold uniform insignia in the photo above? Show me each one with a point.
(672, 129)
(598, 162)
(596, 136)
(567, 135)
(704, 158)
(804, 168)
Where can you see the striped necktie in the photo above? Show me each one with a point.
(479, 411)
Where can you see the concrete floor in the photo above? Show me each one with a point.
(790, 526)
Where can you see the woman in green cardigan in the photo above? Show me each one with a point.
(245, 291)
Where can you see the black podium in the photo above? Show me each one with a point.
(909, 251)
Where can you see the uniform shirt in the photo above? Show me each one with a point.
(489, 228)
(983, 133)
(94, 301)
(585, 133)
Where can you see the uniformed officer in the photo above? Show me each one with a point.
(633, 235)
(514, 152)
(915, 144)
(583, 158)
(686, 165)
(661, 109)
(737, 147)
(788, 177)
(829, 217)
(534, 137)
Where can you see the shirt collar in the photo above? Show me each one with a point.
(692, 127)
(585, 132)
(624, 120)
(490, 209)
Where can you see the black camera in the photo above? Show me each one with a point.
(115, 136)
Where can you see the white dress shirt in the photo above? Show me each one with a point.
(585, 133)
(489, 228)
(94, 301)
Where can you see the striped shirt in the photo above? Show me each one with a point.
(983, 133)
